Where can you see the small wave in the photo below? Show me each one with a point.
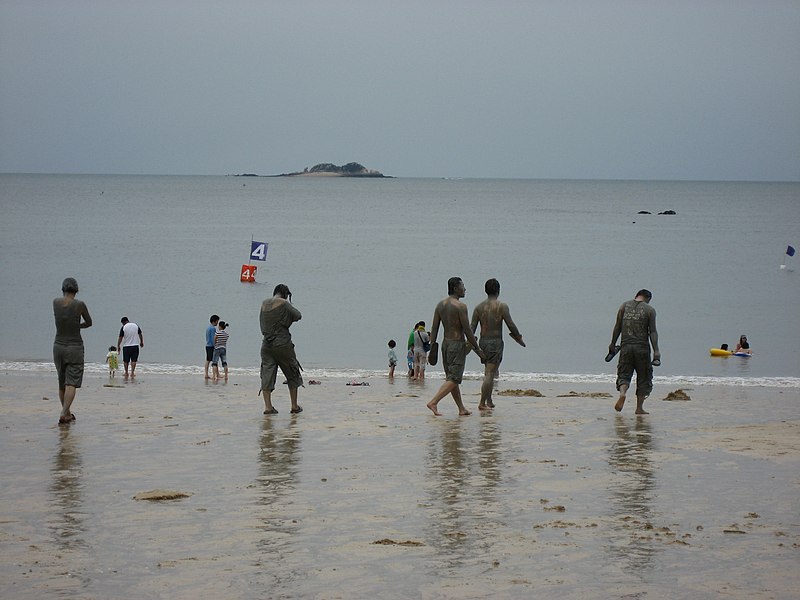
(320, 373)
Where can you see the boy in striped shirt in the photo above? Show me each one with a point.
(220, 350)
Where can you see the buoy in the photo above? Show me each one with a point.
(248, 274)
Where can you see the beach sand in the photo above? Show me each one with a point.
(367, 494)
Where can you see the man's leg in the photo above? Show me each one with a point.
(626, 364)
(623, 391)
(489, 373)
(447, 388)
(456, 393)
(293, 399)
(66, 402)
(644, 381)
(268, 408)
(133, 368)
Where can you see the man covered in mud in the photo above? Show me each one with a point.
(491, 314)
(636, 322)
(277, 350)
(451, 313)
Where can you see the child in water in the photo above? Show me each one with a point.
(392, 358)
(220, 350)
(112, 358)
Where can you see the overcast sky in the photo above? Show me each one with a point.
(697, 89)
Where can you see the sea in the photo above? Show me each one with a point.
(366, 259)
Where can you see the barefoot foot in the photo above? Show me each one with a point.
(464, 413)
(620, 403)
(432, 408)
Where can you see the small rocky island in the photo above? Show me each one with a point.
(352, 169)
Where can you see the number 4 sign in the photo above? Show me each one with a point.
(258, 250)
(248, 274)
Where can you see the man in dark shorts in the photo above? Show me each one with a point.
(277, 350)
(636, 322)
(452, 314)
(491, 314)
(211, 331)
(128, 334)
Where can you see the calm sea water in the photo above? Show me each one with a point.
(366, 259)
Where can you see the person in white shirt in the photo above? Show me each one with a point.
(128, 334)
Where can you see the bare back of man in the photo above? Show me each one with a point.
(490, 315)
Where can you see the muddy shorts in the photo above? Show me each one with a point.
(635, 358)
(284, 357)
(69, 365)
(454, 357)
(493, 349)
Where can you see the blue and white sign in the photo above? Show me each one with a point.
(258, 250)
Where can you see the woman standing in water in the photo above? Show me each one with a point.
(71, 316)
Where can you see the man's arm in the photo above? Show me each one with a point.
(437, 319)
(141, 338)
(512, 327)
(295, 314)
(617, 328)
(87, 319)
(654, 335)
(462, 316)
(474, 323)
(119, 341)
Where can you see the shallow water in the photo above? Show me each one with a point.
(553, 497)
(366, 259)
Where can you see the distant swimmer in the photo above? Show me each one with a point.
(743, 347)
(451, 313)
(636, 322)
(491, 314)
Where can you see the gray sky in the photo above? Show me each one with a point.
(698, 89)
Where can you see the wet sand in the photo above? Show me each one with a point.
(367, 494)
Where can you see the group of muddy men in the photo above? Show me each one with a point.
(635, 323)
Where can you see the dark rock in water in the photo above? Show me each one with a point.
(352, 169)
(668, 212)
(644, 212)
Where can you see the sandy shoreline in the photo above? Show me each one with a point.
(366, 493)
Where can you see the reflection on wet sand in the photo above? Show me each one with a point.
(462, 477)
(489, 459)
(279, 464)
(631, 491)
(66, 488)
